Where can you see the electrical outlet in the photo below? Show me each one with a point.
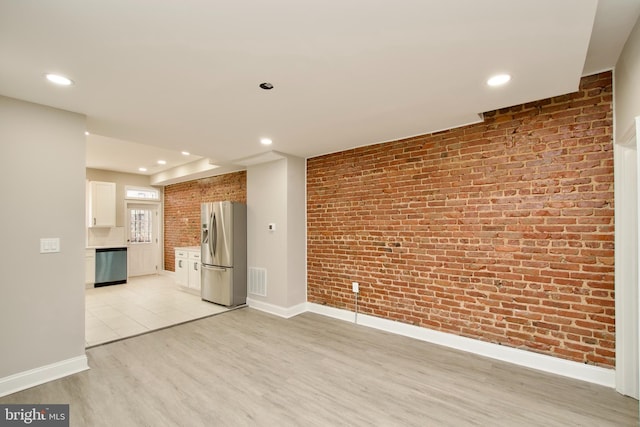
(355, 286)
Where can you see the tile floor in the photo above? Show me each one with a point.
(143, 304)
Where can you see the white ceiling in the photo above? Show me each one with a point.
(126, 156)
(184, 75)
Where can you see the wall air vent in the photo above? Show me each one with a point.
(257, 281)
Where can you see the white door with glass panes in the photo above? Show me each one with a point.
(143, 238)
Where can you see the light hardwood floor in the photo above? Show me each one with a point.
(245, 368)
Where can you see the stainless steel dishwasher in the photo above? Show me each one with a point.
(111, 266)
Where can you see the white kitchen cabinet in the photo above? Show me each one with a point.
(182, 268)
(188, 269)
(90, 267)
(194, 272)
(102, 204)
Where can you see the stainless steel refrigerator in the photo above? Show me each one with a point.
(224, 253)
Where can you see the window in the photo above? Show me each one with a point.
(140, 193)
(141, 221)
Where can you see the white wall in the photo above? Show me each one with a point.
(42, 182)
(267, 203)
(296, 230)
(276, 194)
(627, 85)
(627, 107)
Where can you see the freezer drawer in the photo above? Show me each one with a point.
(217, 285)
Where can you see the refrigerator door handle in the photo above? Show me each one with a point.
(214, 239)
(211, 267)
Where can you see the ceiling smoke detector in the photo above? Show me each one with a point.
(266, 86)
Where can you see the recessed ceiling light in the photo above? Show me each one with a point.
(162, 162)
(499, 80)
(86, 132)
(59, 80)
(266, 86)
(185, 153)
(265, 141)
(142, 169)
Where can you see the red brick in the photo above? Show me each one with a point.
(182, 208)
(505, 228)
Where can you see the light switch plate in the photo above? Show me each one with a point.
(49, 245)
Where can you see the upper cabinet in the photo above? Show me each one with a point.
(102, 204)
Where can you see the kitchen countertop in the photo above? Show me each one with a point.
(107, 247)
(188, 248)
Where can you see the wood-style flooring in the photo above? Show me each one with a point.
(245, 368)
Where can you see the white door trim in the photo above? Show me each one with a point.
(627, 258)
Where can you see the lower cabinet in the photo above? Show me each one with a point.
(90, 268)
(182, 268)
(188, 269)
(194, 272)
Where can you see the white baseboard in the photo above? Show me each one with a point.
(43, 374)
(541, 362)
(276, 310)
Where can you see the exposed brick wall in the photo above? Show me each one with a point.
(500, 231)
(182, 208)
